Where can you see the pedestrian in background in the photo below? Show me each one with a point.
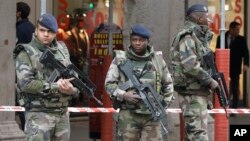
(238, 53)
(24, 28)
(135, 121)
(24, 31)
(46, 103)
(192, 81)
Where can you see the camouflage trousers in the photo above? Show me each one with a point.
(138, 127)
(40, 126)
(195, 116)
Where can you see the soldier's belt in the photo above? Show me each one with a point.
(61, 110)
(184, 91)
(182, 88)
(42, 104)
(128, 107)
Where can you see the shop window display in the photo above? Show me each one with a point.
(78, 21)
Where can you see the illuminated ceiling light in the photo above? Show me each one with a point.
(226, 7)
(107, 3)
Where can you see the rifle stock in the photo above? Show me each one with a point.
(60, 71)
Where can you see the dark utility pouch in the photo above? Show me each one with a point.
(116, 103)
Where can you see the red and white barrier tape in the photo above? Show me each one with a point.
(70, 109)
(91, 110)
(110, 110)
(217, 111)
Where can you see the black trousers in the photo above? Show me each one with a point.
(21, 115)
(234, 86)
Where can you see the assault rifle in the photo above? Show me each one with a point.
(60, 71)
(221, 91)
(148, 95)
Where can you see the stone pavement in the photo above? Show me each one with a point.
(80, 129)
(240, 119)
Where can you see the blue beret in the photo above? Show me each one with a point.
(48, 21)
(141, 30)
(196, 8)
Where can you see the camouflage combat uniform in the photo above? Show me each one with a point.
(45, 107)
(134, 120)
(191, 78)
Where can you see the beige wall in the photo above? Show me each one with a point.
(163, 17)
(7, 44)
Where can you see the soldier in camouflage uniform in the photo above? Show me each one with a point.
(134, 120)
(192, 80)
(45, 103)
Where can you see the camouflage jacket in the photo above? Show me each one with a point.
(115, 78)
(188, 68)
(36, 94)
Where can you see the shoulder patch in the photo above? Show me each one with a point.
(120, 54)
(158, 61)
(158, 53)
(63, 48)
(27, 47)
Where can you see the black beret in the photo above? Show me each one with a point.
(141, 30)
(196, 8)
(48, 21)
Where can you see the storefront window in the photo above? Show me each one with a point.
(84, 27)
(77, 21)
(234, 11)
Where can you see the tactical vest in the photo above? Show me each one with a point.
(40, 102)
(152, 77)
(175, 68)
(180, 80)
(156, 58)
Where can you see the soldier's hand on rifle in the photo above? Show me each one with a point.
(213, 84)
(65, 86)
(131, 96)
